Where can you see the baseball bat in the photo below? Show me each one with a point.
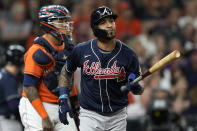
(157, 66)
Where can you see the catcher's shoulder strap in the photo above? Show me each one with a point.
(41, 57)
(44, 43)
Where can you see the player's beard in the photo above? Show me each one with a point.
(104, 35)
(111, 34)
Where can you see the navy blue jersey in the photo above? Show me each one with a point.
(102, 75)
(8, 89)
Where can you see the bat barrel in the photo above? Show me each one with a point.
(165, 61)
(177, 54)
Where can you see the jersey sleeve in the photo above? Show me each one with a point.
(73, 60)
(30, 80)
(31, 67)
(134, 66)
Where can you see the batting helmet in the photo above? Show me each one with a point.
(14, 54)
(46, 16)
(96, 17)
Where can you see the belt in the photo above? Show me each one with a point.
(110, 113)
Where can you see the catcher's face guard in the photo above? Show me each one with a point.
(63, 24)
(56, 19)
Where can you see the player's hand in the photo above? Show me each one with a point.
(135, 88)
(47, 124)
(64, 108)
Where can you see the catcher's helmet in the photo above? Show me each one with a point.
(14, 54)
(46, 16)
(96, 16)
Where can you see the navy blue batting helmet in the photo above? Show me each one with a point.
(96, 17)
(14, 54)
(46, 16)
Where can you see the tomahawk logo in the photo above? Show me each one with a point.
(105, 12)
(104, 73)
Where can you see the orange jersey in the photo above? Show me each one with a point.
(40, 71)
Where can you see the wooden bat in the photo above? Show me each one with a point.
(157, 66)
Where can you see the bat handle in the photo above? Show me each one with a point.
(125, 89)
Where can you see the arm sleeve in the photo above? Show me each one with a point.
(73, 60)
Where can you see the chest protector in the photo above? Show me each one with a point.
(51, 79)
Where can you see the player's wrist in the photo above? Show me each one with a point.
(63, 92)
(63, 96)
(131, 77)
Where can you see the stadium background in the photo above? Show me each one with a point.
(153, 28)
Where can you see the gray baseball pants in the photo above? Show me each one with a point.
(94, 121)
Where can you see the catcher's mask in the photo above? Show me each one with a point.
(48, 14)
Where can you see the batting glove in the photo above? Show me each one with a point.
(135, 88)
(64, 107)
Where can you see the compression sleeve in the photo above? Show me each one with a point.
(37, 104)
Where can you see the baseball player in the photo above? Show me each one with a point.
(106, 64)
(43, 63)
(9, 88)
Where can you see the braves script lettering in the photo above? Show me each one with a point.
(104, 73)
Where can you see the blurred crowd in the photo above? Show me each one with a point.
(153, 28)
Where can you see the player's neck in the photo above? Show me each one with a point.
(107, 45)
(53, 40)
